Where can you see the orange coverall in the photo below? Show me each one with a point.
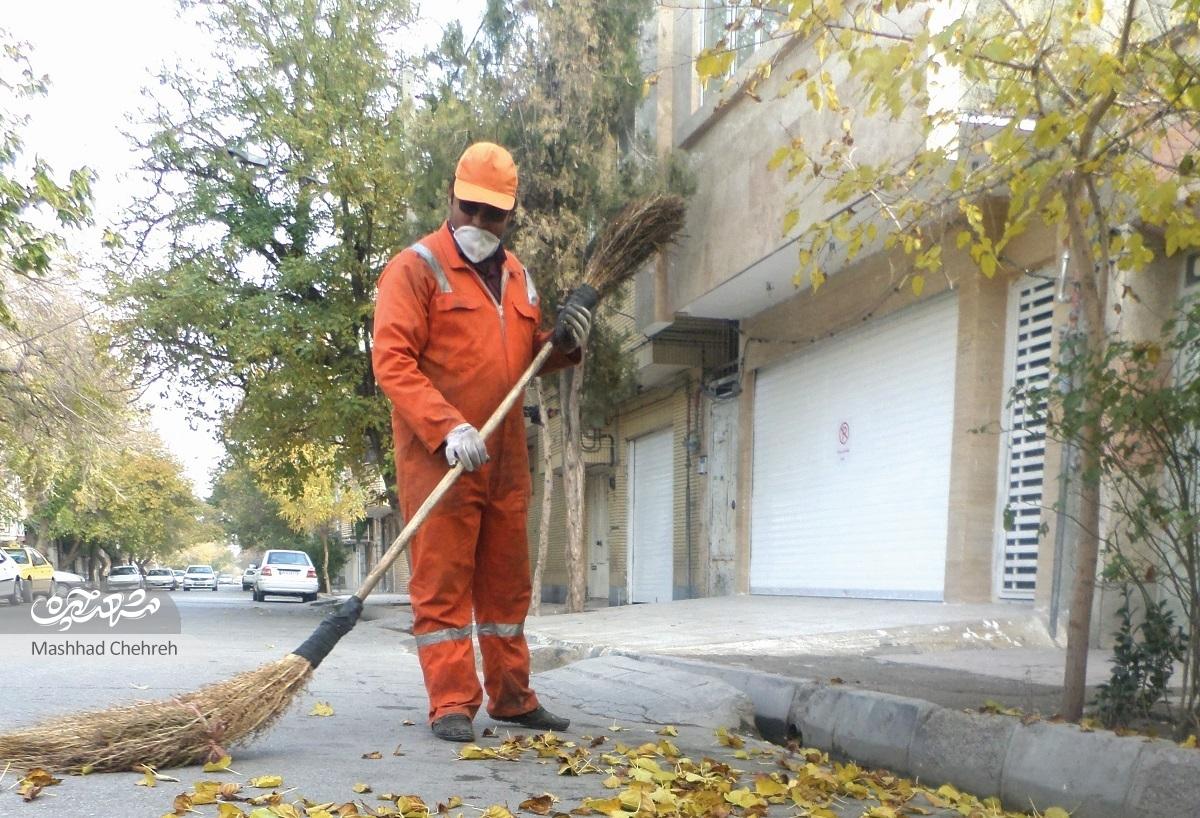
(446, 353)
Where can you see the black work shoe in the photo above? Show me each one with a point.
(455, 727)
(537, 719)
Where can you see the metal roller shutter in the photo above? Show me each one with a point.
(852, 461)
(651, 516)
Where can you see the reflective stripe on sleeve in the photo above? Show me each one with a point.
(445, 635)
(530, 289)
(438, 273)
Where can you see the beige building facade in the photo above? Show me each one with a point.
(854, 441)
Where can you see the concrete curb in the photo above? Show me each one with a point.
(1039, 765)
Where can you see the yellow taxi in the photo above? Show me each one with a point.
(35, 573)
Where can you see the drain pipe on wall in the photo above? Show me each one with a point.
(689, 445)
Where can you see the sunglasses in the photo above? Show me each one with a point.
(491, 214)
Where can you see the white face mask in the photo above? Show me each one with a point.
(475, 243)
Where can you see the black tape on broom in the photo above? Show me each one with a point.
(332, 628)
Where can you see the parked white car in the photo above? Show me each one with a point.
(286, 573)
(66, 581)
(163, 578)
(9, 589)
(124, 578)
(248, 577)
(198, 577)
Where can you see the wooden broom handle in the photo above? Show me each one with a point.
(400, 544)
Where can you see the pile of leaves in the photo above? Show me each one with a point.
(650, 780)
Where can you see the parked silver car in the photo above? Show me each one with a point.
(198, 577)
(124, 578)
(66, 581)
(161, 578)
(286, 573)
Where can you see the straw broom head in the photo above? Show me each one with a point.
(641, 229)
(194, 727)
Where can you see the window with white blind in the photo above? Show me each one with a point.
(1023, 484)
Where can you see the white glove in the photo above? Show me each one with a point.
(464, 445)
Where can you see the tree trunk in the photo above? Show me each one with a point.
(543, 546)
(570, 390)
(325, 565)
(1091, 285)
(68, 559)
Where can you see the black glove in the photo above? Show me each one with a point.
(574, 320)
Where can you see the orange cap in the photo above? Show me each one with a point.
(487, 173)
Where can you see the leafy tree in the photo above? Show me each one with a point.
(1078, 115)
(1144, 397)
(63, 395)
(214, 553)
(65, 412)
(567, 114)
(33, 196)
(248, 515)
(325, 495)
(279, 189)
(145, 511)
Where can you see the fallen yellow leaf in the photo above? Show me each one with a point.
(727, 739)
(219, 766)
(321, 709)
(538, 805)
(742, 797)
(266, 782)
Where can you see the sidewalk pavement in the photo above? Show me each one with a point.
(958, 655)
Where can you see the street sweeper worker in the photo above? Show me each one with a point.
(457, 320)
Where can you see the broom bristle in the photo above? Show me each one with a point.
(640, 230)
(190, 729)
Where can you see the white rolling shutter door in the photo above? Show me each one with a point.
(852, 461)
(651, 517)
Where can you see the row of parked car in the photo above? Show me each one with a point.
(194, 578)
(25, 573)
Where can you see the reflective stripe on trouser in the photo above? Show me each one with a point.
(471, 551)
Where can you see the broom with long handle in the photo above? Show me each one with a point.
(198, 726)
